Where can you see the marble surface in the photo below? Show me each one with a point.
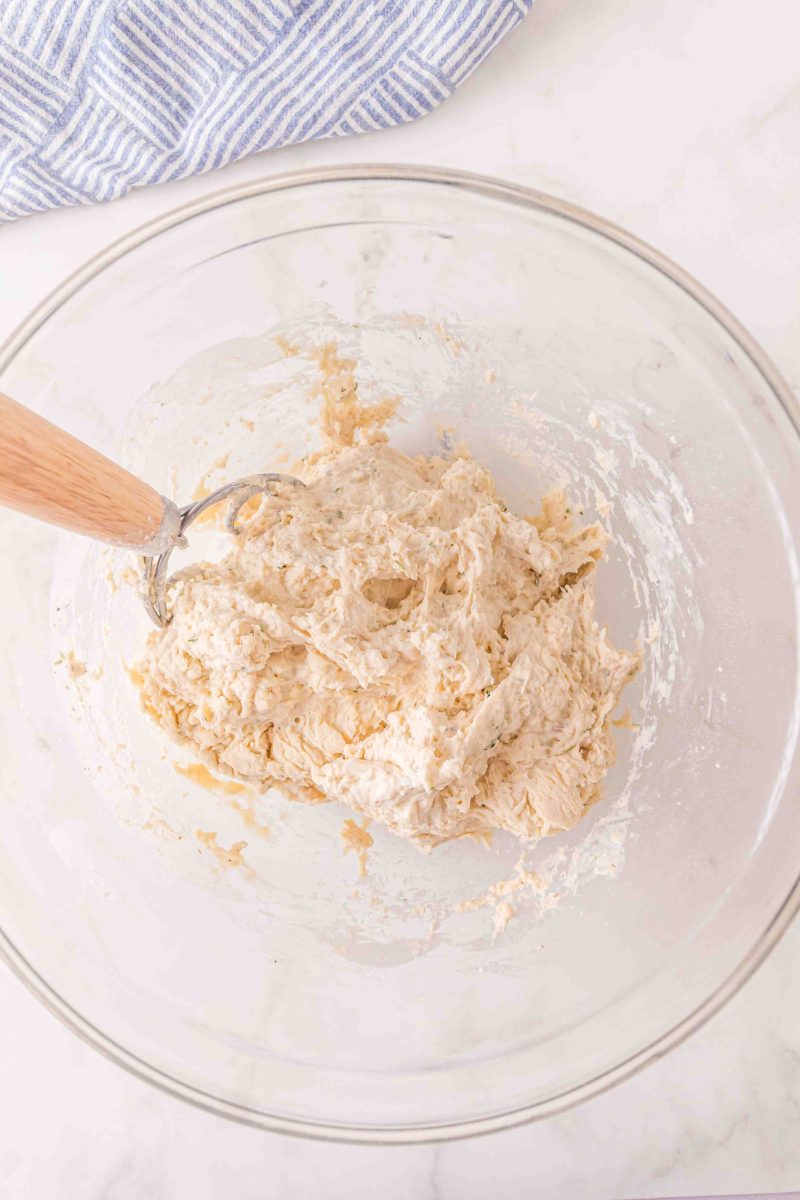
(680, 121)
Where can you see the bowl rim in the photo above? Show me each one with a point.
(525, 197)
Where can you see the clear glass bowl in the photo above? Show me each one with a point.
(291, 995)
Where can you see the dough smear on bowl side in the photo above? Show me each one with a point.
(394, 638)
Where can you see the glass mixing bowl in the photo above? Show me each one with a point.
(287, 992)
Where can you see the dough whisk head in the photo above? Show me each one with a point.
(156, 578)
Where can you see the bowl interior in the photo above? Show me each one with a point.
(291, 992)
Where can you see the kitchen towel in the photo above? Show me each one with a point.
(100, 96)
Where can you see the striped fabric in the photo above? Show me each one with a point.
(99, 96)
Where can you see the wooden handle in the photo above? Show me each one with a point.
(49, 474)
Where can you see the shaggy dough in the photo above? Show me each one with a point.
(394, 638)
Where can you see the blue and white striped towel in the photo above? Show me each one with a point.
(99, 96)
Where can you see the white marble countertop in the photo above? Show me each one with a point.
(680, 121)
